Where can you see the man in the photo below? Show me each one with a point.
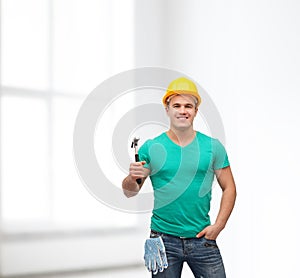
(182, 164)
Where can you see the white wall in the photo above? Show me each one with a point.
(246, 55)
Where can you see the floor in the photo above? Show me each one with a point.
(137, 272)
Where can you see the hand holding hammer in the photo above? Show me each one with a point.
(134, 145)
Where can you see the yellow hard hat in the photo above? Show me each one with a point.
(182, 86)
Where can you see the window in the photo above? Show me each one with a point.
(53, 53)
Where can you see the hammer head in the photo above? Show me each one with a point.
(135, 142)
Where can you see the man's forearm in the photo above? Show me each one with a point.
(226, 206)
(130, 187)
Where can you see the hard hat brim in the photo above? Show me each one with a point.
(180, 92)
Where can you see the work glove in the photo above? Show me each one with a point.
(155, 255)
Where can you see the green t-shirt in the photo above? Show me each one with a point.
(182, 179)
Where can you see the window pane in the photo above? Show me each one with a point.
(24, 152)
(73, 204)
(25, 43)
(92, 40)
(81, 44)
(122, 33)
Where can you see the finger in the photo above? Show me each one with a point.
(136, 173)
(154, 266)
(162, 264)
(137, 170)
(201, 234)
(164, 259)
(148, 265)
(159, 262)
(137, 164)
(162, 252)
(155, 271)
(160, 244)
(153, 262)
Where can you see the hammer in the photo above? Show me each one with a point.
(134, 145)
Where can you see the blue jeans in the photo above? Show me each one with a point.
(202, 256)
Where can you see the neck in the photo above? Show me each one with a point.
(181, 137)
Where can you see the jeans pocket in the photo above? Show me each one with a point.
(210, 243)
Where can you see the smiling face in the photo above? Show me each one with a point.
(181, 111)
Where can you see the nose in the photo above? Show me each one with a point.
(182, 109)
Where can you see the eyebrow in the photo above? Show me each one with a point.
(186, 103)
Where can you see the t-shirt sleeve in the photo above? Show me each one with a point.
(220, 155)
(144, 154)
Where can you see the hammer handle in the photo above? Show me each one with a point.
(137, 159)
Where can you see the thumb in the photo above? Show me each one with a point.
(201, 234)
(143, 162)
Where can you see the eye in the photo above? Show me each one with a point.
(189, 106)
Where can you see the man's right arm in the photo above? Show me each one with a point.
(136, 171)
